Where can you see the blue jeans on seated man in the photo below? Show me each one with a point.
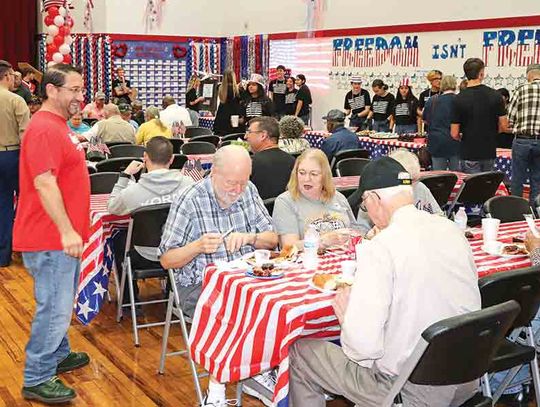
(526, 164)
(477, 166)
(406, 128)
(382, 126)
(56, 278)
(445, 163)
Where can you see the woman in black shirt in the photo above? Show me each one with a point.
(290, 97)
(229, 105)
(303, 99)
(193, 100)
(405, 109)
(256, 103)
(382, 107)
(357, 104)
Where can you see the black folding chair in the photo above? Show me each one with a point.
(103, 182)
(145, 230)
(125, 150)
(523, 286)
(225, 143)
(209, 139)
(351, 166)
(115, 164)
(440, 186)
(234, 137)
(352, 153)
(198, 147)
(197, 131)
(507, 208)
(347, 192)
(456, 351)
(476, 190)
(269, 205)
(117, 143)
(90, 122)
(91, 169)
(178, 161)
(177, 145)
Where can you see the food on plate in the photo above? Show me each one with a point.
(469, 235)
(514, 249)
(518, 240)
(321, 251)
(263, 271)
(330, 281)
(288, 252)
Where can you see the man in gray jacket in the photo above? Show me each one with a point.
(158, 185)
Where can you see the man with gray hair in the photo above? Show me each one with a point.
(524, 119)
(418, 269)
(113, 128)
(220, 218)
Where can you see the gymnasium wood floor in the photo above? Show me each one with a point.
(119, 373)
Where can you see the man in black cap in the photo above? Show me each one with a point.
(341, 138)
(417, 271)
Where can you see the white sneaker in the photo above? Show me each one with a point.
(219, 403)
(267, 380)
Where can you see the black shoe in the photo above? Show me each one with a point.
(73, 361)
(52, 391)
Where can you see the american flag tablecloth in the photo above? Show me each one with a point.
(207, 122)
(352, 181)
(97, 260)
(244, 326)
(197, 164)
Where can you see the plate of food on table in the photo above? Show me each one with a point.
(330, 283)
(384, 136)
(268, 264)
(509, 250)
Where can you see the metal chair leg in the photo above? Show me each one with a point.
(239, 391)
(534, 365)
(132, 303)
(486, 388)
(166, 331)
(120, 293)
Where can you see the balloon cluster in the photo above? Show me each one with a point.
(59, 24)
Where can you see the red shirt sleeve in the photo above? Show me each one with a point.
(45, 146)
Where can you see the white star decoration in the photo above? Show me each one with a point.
(85, 309)
(99, 289)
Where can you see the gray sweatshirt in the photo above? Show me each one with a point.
(155, 187)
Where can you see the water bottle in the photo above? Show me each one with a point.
(311, 246)
(461, 218)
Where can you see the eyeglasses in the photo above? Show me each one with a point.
(365, 197)
(312, 174)
(437, 79)
(74, 90)
(253, 131)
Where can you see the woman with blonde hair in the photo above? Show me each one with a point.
(291, 129)
(229, 105)
(311, 199)
(152, 127)
(193, 100)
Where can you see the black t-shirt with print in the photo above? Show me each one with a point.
(405, 111)
(382, 106)
(191, 96)
(425, 96)
(304, 94)
(477, 110)
(121, 98)
(356, 103)
(278, 89)
(290, 102)
(256, 107)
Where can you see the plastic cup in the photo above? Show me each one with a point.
(348, 268)
(490, 229)
(234, 120)
(262, 256)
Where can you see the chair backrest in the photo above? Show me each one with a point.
(209, 139)
(225, 143)
(234, 136)
(351, 166)
(521, 285)
(478, 188)
(352, 153)
(91, 169)
(456, 350)
(198, 147)
(197, 131)
(507, 208)
(103, 182)
(269, 204)
(178, 161)
(115, 164)
(117, 143)
(347, 192)
(125, 150)
(176, 144)
(90, 122)
(440, 186)
(147, 225)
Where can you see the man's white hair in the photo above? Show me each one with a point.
(387, 194)
(408, 160)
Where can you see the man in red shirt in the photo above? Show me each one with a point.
(51, 226)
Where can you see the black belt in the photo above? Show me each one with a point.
(528, 136)
(10, 148)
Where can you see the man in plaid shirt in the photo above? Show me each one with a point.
(524, 119)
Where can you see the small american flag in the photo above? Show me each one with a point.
(194, 169)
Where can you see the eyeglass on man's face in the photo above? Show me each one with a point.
(75, 90)
(366, 195)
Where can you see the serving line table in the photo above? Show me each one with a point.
(243, 326)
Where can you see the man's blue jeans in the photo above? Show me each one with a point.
(475, 167)
(9, 185)
(525, 164)
(56, 277)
